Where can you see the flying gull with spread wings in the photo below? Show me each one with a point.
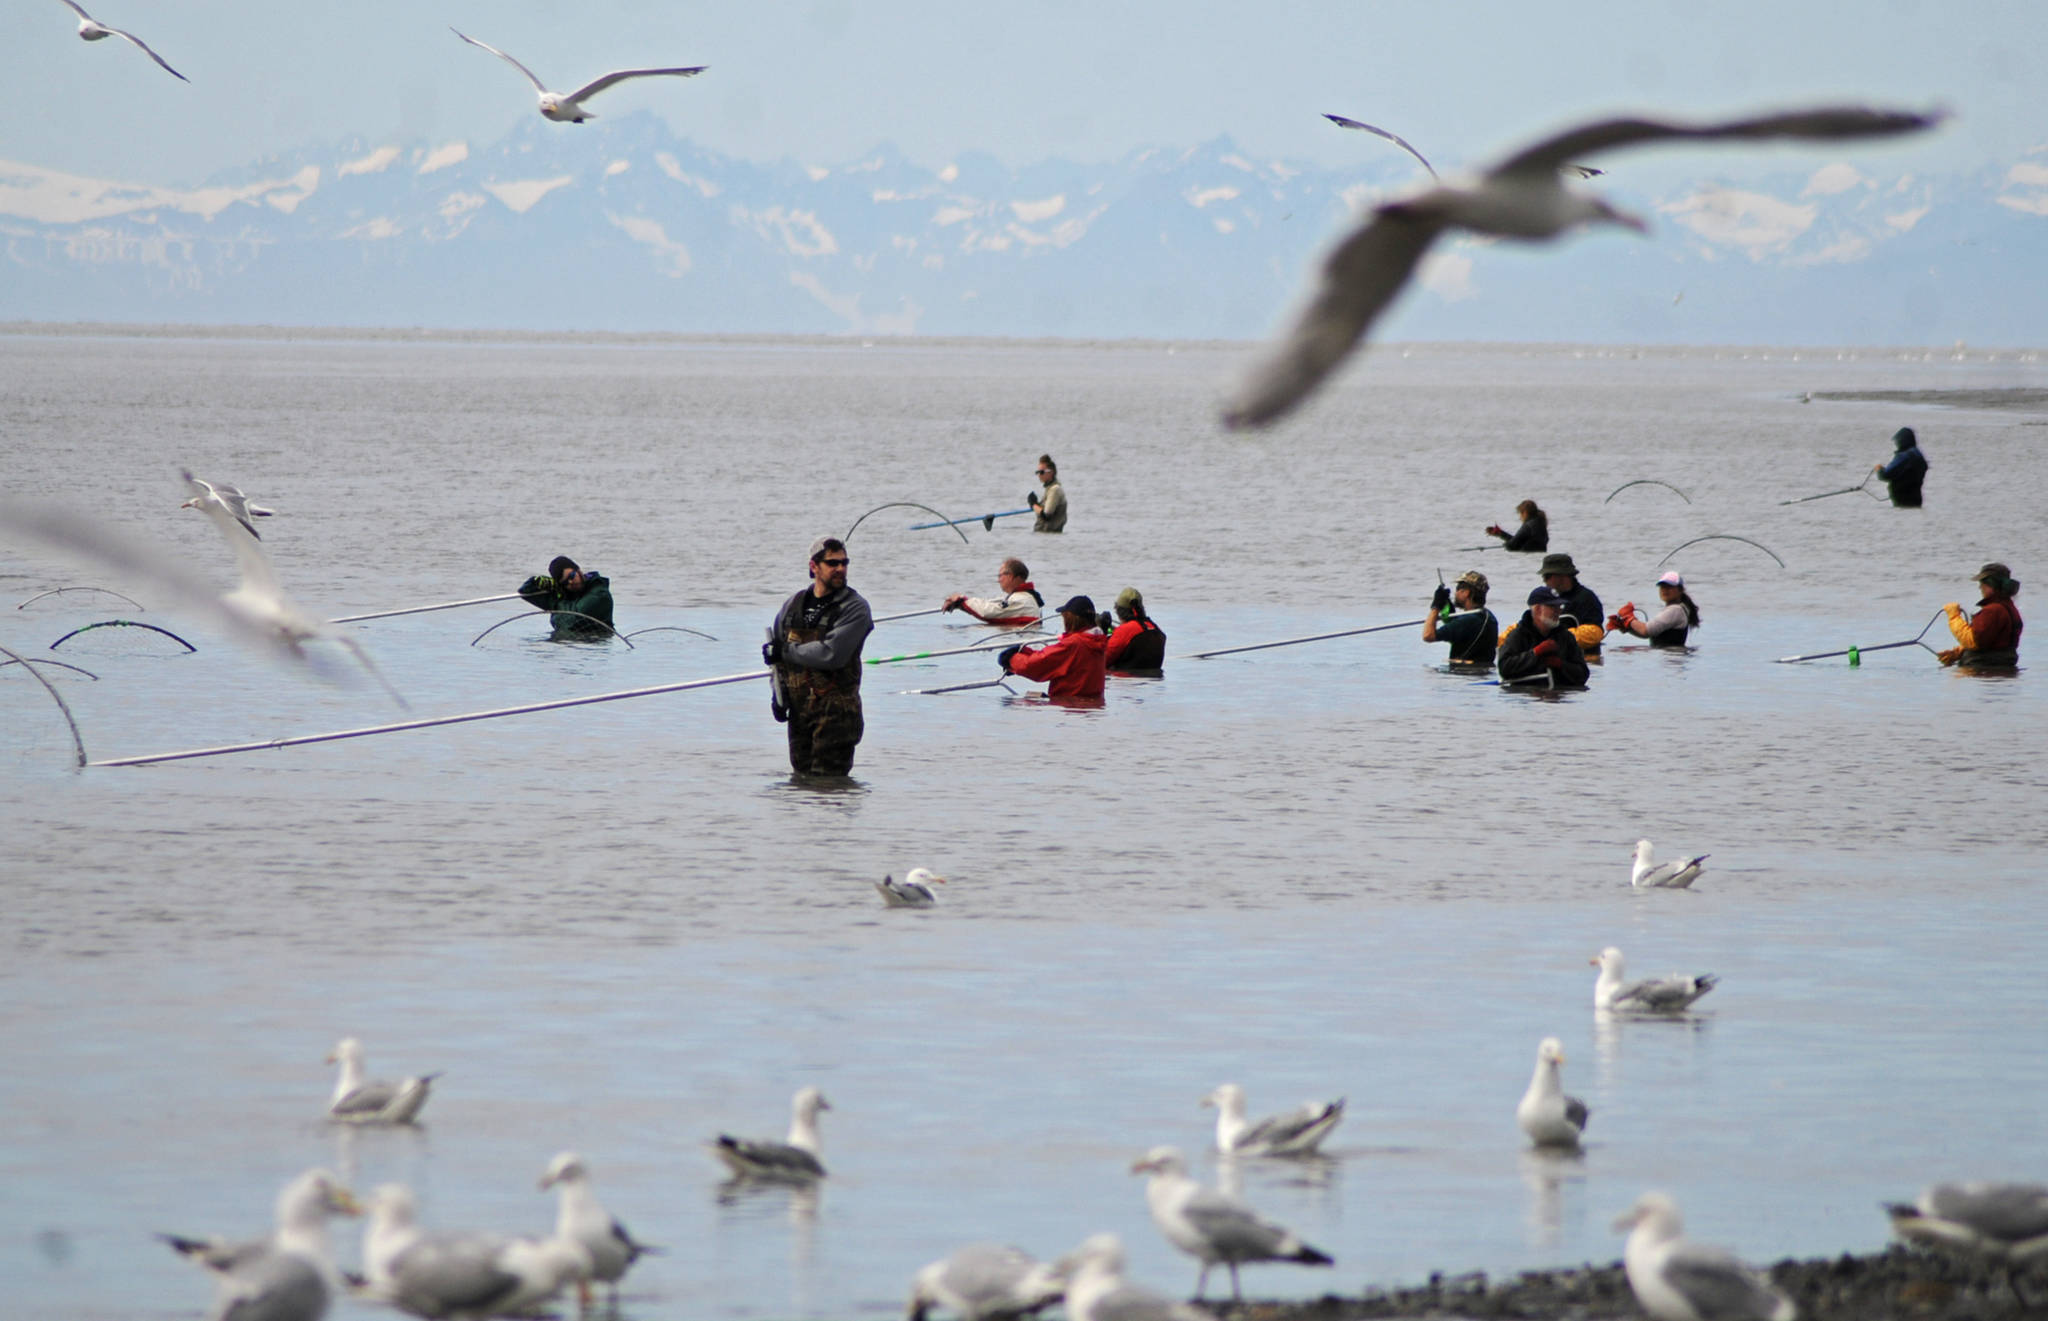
(1523, 197)
(568, 109)
(91, 29)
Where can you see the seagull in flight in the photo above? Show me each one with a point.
(91, 29)
(569, 109)
(1523, 197)
(1583, 171)
(229, 498)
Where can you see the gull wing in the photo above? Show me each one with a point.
(1282, 1132)
(2009, 1212)
(1822, 123)
(258, 578)
(73, 7)
(1715, 1284)
(83, 539)
(596, 85)
(538, 86)
(1233, 1230)
(1395, 138)
(1357, 282)
(143, 46)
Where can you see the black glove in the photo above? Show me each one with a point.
(1006, 655)
(1105, 622)
(1032, 499)
(771, 652)
(1441, 598)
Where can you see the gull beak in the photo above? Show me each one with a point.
(1594, 961)
(1144, 1167)
(344, 1202)
(939, 879)
(332, 1058)
(1209, 1101)
(193, 503)
(547, 1181)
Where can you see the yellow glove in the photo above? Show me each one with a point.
(1950, 656)
(1959, 627)
(1953, 609)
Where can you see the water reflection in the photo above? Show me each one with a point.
(1608, 1030)
(1318, 1175)
(1545, 1172)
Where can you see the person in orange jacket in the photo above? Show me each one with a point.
(1071, 667)
(1991, 637)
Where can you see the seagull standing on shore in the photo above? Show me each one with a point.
(91, 29)
(2005, 1222)
(1679, 1281)
(569, 109)
(1523, 197)
(1546, 1114)
(1212, 1226)
(1653, 995)
(984, 1281)
(1097, 1290)
(794, 1161)
(1297, 1133)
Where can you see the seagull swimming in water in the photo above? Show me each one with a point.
(1297, 1133)
(913, 891)
(1523, 197)
(1653, 995)
(569, 109)
(360, 1100)
(1648, 875)
(582, 1219)
(1546, 1114)
(91, 29)
(793, 1161)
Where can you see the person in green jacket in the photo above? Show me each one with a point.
(580, 602)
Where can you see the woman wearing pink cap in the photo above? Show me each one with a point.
(1666, 628)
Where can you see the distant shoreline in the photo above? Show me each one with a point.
(480, 335)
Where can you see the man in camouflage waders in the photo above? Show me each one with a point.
(814, 651)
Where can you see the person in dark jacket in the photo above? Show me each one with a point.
(1471, 629)
(1137, 644)
(1989, 639)
(813, 650)
(1581, 607)
(1906, 470)
(1539, 650)
(580, 602)
(1533, 534)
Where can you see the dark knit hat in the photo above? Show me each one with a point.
(1903, 439)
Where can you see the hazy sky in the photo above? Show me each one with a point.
(822, 81)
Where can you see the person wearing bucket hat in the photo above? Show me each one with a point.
(813, 654)
(1906, 469)
(1666, 628)
(1138, 644)
(1581, 608)
(1471, 628)
(1989, 639)
(1539, 650)
(1073, 666)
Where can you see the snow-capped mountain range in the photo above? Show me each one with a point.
(621, 225)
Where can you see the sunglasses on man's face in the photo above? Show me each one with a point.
(834, 564)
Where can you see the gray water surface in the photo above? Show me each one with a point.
(1319, 870)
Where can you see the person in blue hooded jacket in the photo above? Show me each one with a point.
(1906, 470)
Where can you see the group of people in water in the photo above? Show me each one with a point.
(814, 646)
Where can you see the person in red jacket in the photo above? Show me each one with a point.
(1138, 644)
(1989, 639)
(1070, 667)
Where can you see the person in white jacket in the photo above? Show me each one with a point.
(1018, 603)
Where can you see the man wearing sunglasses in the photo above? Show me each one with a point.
(581, 603)
(814, 654)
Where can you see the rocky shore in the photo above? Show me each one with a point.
(1898, 1284)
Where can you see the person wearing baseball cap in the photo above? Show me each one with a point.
(1668, 627)
(1579, 605)
(1074, 665)
(813, 653)
(1989, 639)
(1539, 650)
(580, 603)
(1138, 645)
(1470, 628)
(1906, 469)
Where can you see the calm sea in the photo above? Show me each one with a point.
(1332, 869)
